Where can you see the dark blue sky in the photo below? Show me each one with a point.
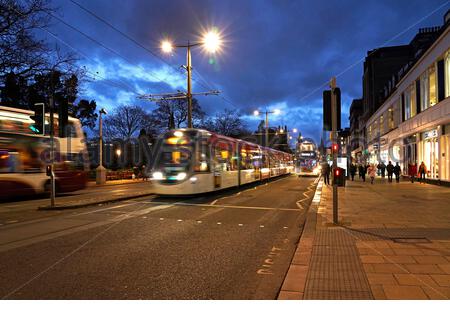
(277, 54)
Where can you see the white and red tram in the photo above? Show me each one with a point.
(195, 161)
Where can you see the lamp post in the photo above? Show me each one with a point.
(211, 42)
(100, 171)
(267, 112)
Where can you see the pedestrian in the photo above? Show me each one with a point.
(326, 172)
(383, 169)
(390, 171)
(412, 171)
(362, 172)
(144, 173)
(397, 171)
(372, 171)
(352, 171)
(422, 172)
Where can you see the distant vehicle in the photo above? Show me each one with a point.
(25, 154)
(195, 161)
(306, 159)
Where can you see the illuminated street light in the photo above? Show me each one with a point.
(257, 113)
(118, 152)
(211, 41)
(166, 46)
(294, 130)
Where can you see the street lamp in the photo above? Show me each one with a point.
(257, 113)
(100, 171)
(211, 42)
(118, 152)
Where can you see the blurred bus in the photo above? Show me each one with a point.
(25, 154)
(306, 158)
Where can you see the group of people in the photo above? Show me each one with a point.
(420, 172)
(372, 171)
(381, 169)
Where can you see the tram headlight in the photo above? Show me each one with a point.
(181, 176)
(193, 179)
(157, 175)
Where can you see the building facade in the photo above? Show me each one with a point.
(412, 125)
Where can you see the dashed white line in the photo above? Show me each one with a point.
(219, 222)
(240, 224)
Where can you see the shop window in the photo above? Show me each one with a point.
(381, 125)
(391, 123)
(424, 85)
(432, 86)
(447, 73)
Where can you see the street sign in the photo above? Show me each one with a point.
(327, 119)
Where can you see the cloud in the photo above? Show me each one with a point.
(276, 52)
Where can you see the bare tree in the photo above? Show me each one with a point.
(126, 122)
(20, 51)
(228, 123)
(172, 114)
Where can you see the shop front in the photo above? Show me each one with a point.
(429, 152)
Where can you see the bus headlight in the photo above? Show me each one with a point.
(157, 175)
(181, 176)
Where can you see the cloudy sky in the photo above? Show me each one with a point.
(276, 53)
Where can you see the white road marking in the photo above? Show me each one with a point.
(261, 226)
(179, 220)
(240, 224)
(199, 221)
(214, 202)
(285, 227)
(219, 222)
(161, 219)
(222, 206)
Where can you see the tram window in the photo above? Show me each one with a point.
(222, 158)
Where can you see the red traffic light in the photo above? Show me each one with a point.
(335, 147)
(337, 172)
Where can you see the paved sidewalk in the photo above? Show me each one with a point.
(393, 242)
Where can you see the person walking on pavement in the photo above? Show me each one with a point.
(422, 172)
(326, 172)
(372, 171)
(397, 170)
(412, 171)
(352, 171)
(383, 169)
(390, 171)
(362, 172)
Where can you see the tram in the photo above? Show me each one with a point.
(196, 161)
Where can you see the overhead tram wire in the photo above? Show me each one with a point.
(119, 84)
(325, 84)
(205, 85)
(140, 45)
(104, 46)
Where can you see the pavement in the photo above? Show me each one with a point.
(392, 242)
(234, 244)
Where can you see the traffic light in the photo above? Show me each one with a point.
(327, 119)
(38, 118)
(335, 147)
(63, 118)
(339, 177)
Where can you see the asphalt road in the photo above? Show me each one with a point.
(230, 245)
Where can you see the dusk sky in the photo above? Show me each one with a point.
(277, 54)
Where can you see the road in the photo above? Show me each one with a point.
(229, 245)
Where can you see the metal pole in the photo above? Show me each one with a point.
(100, 142)
(189, 89)
(52, 154)
(334, 141)
(267, 129)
